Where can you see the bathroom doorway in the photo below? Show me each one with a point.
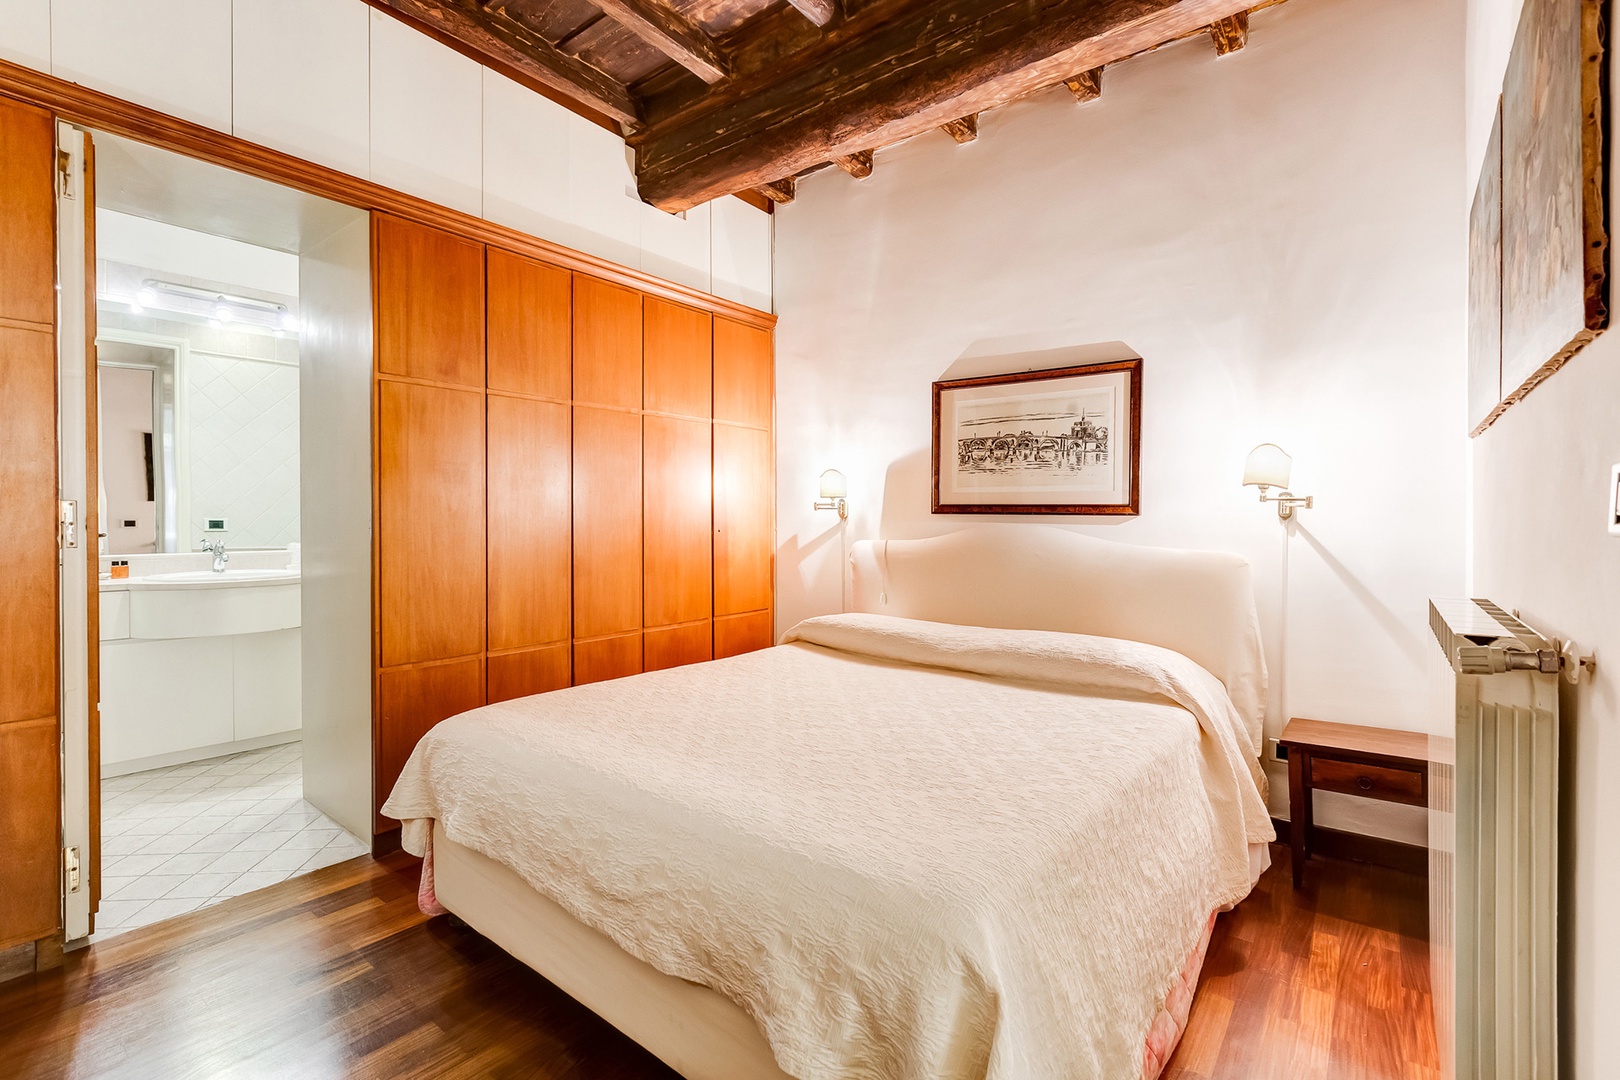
(227, 423)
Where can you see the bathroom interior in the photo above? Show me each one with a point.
(222, 436)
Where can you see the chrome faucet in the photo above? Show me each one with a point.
(217, 549)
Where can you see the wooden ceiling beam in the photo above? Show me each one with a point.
(672, 34)
(1230, 34)
(874, 81)
(780, 191)
(1086, 86)
(511, 45)
(820, 12)
(858, 164)
(964, 129)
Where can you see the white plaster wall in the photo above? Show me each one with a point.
(341, 84)
(1275, 232)
(1541, 546)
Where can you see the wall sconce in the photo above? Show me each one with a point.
(1269, 466)
(833, 493)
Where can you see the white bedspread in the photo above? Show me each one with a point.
(910, 851)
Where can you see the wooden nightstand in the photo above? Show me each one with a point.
(1374, 763)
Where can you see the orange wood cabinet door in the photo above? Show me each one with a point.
(430, 522)
(30, 844)
(607, 523)
(411, 701)
(429, 303)
(742, 520)
(28, 209)
(735, 634)
(530, 327)
(679, 376)
(607, 658)
(677, 500)
(530, 531)
(673, 646)
(607, 344)
(30, 781)
(531, 671)
(743, 370)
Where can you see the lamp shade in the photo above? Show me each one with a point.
(1268, 466)
(832, 485)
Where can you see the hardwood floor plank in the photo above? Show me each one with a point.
(337, 974)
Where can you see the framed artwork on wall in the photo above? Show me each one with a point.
(1062, 441)
(1546, 163)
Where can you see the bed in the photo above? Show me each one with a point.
(978, 829)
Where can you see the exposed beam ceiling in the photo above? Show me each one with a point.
(742, 96)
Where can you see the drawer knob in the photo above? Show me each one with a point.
(1364, 783)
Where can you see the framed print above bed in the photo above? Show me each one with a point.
(1062, 441)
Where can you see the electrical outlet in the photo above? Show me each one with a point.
(1279, 752)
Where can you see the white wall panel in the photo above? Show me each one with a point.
(172, 55)
(602, 203)
(301, 73)
(526, 159)
(25, 33)
(677, 247)
(426, 117)
(742, 237)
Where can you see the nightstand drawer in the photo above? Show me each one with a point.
(1369, 781)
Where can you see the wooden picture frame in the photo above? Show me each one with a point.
(1060, 441)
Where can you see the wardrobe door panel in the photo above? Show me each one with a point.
(674, 646)
(736, 634)
(606, 658)
(533, 671)
(411, 701)
(530, 492)
(607, 344)
(607, 523)
(679, 359)
(677, 498)
(30, 843)
(28, 544)
(742, 520)
(742, 373)
(430, 303)
(530, 326)
(28, 208)
(430, 522)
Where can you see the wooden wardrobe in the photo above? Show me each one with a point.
(573, 481)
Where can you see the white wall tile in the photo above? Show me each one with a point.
(742, 253)
(172, 55)
(677, 247)
(242, 417)
(602, 202)
(25, 32)
(426, 117)
(300, 71)
(526, 159)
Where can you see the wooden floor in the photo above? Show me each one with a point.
(337, 974)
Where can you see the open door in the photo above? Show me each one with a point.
(80, 562)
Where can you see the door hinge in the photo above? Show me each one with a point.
(64, 173)
(70, 860)
(70, 523)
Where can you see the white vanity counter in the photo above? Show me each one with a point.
(196, 664)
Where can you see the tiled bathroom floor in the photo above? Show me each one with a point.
(184, 837)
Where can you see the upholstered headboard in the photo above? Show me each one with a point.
(1036, 577)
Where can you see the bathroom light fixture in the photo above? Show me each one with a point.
(1269, 466)
(834, 492)
(214, 307)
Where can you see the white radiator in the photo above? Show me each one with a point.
(1493, 845)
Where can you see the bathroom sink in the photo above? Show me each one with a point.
(208, 577)
(201, 603)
